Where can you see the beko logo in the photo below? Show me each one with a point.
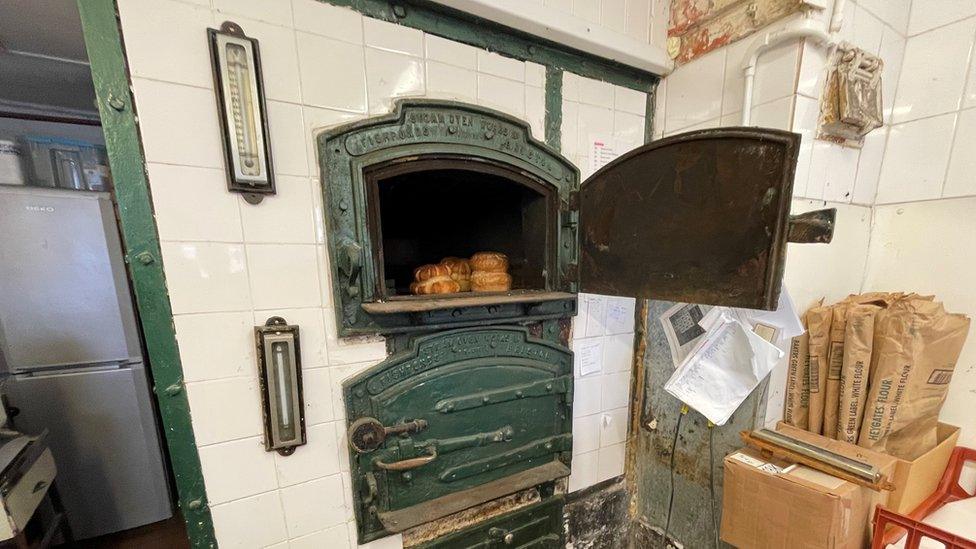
(46, 209)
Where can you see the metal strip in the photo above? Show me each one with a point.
(482, 33)
(403, 519)
(554, 108)
(142, 252)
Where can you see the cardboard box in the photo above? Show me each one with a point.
(774, 503)
(915, 480)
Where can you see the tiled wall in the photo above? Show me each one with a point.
(923, 221)
(226, 260)
(643, 20)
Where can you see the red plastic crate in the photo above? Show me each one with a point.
(911, 525)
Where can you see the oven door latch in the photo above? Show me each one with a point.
(350, 264)
(367, 434)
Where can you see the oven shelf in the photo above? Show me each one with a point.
(419, 304)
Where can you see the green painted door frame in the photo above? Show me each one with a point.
(142, 253)
(116, 107)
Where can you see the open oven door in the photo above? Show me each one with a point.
(702, 217)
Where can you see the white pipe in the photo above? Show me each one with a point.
(802, 28)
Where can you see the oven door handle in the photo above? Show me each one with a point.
(406, 464)
(351, 263)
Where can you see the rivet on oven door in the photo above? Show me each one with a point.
(343, 205)
(452, 130)
(548, 386)
(519, 394)
(408, 476)
(489, 134)
(456, 313)
(485, 399)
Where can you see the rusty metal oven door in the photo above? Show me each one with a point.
(701, 217)
(459, 418)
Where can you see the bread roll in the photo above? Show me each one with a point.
(493, 262)
(483, 281)
(430, 271)
(460, 271)
(439, 285)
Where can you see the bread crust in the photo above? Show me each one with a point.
(483, 281)
(437, 285)
(431, 271)
(458, 265)
(494, 262)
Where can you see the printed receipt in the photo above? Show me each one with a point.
(725, 368)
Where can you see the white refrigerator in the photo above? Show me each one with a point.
(71, 356)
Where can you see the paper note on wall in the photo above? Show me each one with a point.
(602, 151)
(589, 355)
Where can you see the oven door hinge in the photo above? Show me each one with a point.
(574, 200)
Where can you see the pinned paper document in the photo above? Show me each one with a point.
(723, 369)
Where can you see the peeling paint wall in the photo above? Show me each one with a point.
(699, 26)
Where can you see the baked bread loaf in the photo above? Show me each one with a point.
(492, 262)
(460, 271)
(486, 281)
(433, 279)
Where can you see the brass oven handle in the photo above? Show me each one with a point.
(406, 464)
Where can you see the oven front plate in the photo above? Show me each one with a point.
(460, 418)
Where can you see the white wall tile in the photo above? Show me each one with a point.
(288, 138)
(892, 12)
(340, 374)
(272, 11)
(613, 15)
(916, 159)
(197, 204)
(596, 314)
(393, 37)
(216, 345)
(628, 100)
(535, 111)
(235, 525)
(615, 390)
(969, 94)
(452, 82)
(333, 73)
(587, 392)
(838, 167)
(613, 427)
(776, 114)
(869, 166)
(336, 537)
(620, 315)
(283, 275)
(451, 52)
(638, 19)
(893, 54)
(861, 28)
(312, 506)
(317, 389)
(929, 14)
(179, 124)
(693, 91)
(848, 248)
(618, 353)
(586, 434)
(961, 178)
(316, 121)
(592, 348)
(587, 10)
(185, 59)
(596, 92)
(611, 462)
(237, 469)
(805, 116)
(392, 75)
(813, 61)
(285, 217)
(776, 73)
(318, 457)
(328, 20)
(225, 409)
(502, 94)
(932, 76)
(535, 74)
(628, 129)
(206, 277)
(499, 65)
(325, 275)
(571, 86)
(279, 59)
(585, 471)
(593, 121)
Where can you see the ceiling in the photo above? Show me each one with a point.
(43, 61)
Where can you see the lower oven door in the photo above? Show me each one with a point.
(538, 526)
(460, 418)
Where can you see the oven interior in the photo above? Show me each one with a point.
(426, 210)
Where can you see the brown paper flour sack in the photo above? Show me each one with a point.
(835, 361)
(818, 327)
(854, 380)
(797, 405)
(916, 347)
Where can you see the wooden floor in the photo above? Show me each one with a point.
(167, 534)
